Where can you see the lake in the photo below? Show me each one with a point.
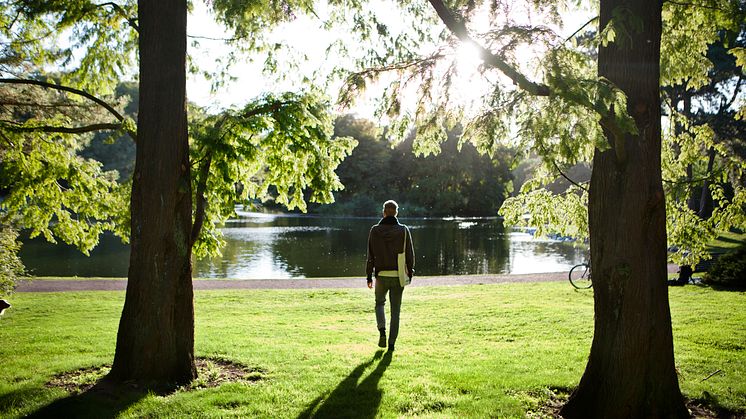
(270, 246)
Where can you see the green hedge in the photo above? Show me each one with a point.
(729, 270)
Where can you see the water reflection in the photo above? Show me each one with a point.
(528, 253)
(312, 247)
(109, 258)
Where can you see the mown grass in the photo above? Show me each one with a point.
(727, 242)
(463, 351)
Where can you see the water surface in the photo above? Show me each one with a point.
(262, 246)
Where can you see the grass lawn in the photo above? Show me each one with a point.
(463, 351)
(727, 242)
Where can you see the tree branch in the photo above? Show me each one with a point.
(266, 108)
(51, 105)
(209, 38)
(694, 181)
(591, 20)
(400, 65)
(735, 91)
(704, 6)
(204, 172)
(86, 95)
(130, 20)
(26, 41)
(557, 168)
(458, 28)
(66, 89)
(11, 126)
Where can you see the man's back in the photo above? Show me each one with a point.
(385, 241)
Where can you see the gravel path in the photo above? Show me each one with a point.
(55, 285)
(61, 285)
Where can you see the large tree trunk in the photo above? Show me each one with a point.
(155, 343)
(630, 371)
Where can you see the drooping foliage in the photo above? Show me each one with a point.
(704, 155)
(559, 117)
(93, 42)
(279, 147)
(48, 187)
(430, 87)
(46, 120)
(429, 90)
(12, 267)
(458, 181)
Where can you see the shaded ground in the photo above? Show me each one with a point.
(555, 398)
(211, 372)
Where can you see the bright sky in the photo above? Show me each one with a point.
(304, 33)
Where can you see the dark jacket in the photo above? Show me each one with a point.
(385, 241)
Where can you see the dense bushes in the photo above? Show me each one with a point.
(729, 270)
(10, 264)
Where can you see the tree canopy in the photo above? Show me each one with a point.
(58, 128)
(47, 118)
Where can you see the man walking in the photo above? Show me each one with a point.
(387, 239)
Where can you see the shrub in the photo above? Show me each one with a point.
(11, 266)
(729, 270)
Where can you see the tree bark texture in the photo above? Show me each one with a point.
(630, 371)
(705, 201)
(155, 342)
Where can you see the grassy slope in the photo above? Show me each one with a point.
(727, 242)
(474, 351)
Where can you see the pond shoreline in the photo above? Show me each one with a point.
(58, 284)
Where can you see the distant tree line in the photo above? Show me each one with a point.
(453, 182)
(117, 152)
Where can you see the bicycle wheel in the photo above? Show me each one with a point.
(580, 276)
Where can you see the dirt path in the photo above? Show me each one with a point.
(55, 285)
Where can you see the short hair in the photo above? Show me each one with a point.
(391, 206)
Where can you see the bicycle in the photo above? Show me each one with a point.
(580, 276)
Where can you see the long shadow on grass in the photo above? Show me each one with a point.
(350, 398)
(104, 400)
(18, 398)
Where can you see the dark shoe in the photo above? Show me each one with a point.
(382, 340)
